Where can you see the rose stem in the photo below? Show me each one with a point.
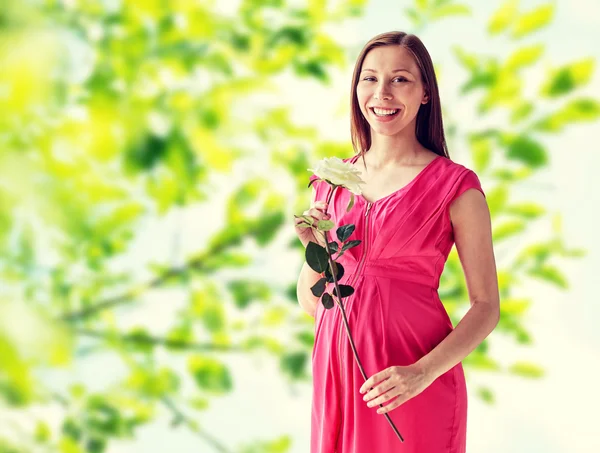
(339, 302)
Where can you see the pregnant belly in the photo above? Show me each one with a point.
(405, 319)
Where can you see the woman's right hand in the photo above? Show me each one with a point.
(306, 235)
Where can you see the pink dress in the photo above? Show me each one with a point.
(396, 317)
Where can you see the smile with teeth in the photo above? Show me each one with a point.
(384, 112)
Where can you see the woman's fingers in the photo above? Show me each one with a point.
(319, 215)
(317, 212)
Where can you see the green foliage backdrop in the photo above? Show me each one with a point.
(118, 115)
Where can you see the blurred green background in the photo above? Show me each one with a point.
(152, 155)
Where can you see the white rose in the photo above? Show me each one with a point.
(339, 173)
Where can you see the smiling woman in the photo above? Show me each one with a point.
(407, 219)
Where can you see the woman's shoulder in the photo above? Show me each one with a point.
(454, 166)
(458, 178)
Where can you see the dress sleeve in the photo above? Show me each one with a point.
(466, 180)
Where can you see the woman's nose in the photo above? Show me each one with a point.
(381, 93)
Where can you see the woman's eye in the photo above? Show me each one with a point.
(401, 79)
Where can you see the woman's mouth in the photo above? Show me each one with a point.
(384, 115)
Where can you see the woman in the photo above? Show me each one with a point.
(415, 204)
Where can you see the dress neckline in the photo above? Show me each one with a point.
(403, 188)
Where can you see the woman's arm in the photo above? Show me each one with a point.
(471, 222)
(306, 299)
(307, 279)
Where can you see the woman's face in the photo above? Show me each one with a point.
(379, 86)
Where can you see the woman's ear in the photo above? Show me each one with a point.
(425, 99)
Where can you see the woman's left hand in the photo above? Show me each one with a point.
(399, 382)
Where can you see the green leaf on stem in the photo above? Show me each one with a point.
(308, 218)
(350, 244)
(308, 221)
(344, 232)
(316, 257)
(319, 288)
(345, 290)
(350, 203)
(327, 301)
(334, 246)
(325, 225)
(338, 274)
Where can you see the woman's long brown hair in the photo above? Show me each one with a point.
(429, 127)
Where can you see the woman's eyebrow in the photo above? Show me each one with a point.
(395, 70)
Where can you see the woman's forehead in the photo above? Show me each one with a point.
(389, 59)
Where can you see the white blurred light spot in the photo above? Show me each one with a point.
(159, 123)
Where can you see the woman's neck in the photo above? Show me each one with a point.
(387, 151)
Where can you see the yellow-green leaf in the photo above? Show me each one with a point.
(529, 210)
(309, 219)
(505, 280)
(527, 150)
(535, 252)
(504, 91)
(521, 110)
(211, 151)
(209, 307)
(294, 364)
(533, 20)
(497, 198)
(468, 60)
(450, 10)
(325, 225)
(414, 16)
(42, 432)
(550, 274)
(69, 445)
(350, 203)
(246, 291)
(576, 110)
(421, 4)
(524, 56)
(481, 361)
(210, 374)
(481, 152)
(503, 17)
(514, 306)
(568, 77)
(527, 369)
(486, 394)
(199, 403)
(274, 316)
(508, 229)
